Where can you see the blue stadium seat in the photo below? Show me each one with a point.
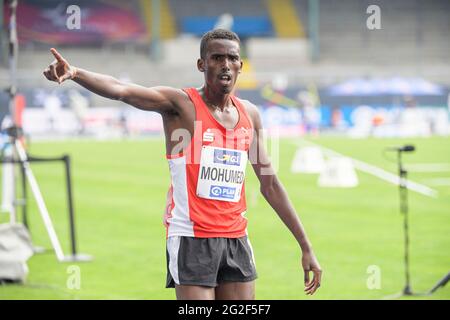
(244, 26)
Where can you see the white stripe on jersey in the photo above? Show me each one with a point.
(180, 223)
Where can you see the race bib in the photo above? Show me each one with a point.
(221, 174)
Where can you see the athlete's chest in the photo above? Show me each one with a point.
(228, 118)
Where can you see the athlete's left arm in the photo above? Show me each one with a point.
(276, 195)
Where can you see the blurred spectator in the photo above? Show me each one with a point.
(79, 105)
(225, 21)
(337, 118)
(53, 107)
(411, 120)
(311, 114)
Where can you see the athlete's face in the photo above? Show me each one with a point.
(221, 65)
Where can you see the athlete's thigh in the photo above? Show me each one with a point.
(235, 291)
(188, 292)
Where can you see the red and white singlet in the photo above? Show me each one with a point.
(206, 198)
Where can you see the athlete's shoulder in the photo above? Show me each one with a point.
(179, 96)
(252, 110)
(249, 106)
(175, 93)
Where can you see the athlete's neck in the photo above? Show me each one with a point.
(215, 100)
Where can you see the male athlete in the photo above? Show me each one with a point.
(210, 134)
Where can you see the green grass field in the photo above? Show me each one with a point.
(120, 188)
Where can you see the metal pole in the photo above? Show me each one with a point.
(404, 210)
(12, 58)
(12, 91)
(313, 22)
(40, 201)
(3, 48)
(66, 159)
(155, 45)
(24, 197)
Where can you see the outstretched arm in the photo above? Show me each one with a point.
(275, 194)
(158, 99)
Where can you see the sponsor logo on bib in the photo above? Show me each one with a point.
(222, 192)
(228, 157)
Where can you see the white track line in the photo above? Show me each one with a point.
(378, 172)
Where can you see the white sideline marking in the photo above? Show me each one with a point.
(428, 167)
(379, 173)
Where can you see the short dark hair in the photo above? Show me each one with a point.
(216, 34)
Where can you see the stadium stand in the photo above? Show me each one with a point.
(411, 31)
(287, 23)
(413, 40)
(250, 17)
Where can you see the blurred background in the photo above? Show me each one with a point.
(335, 79)
(309, 65)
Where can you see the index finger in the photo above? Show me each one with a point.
(57, 55)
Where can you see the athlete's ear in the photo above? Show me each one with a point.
(242, 64)
(201, 65)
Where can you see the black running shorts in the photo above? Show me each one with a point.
(209, 261)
